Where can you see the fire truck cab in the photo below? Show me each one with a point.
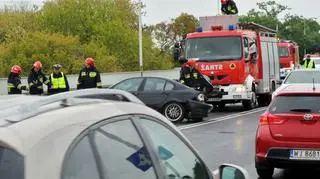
(289, 57)
(240, 61)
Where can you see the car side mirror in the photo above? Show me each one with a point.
(229, 171)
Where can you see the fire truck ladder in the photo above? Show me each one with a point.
(262, 30)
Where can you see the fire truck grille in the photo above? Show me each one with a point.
(220, 77)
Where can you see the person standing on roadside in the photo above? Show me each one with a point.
(36, 79)
(89, 76)
(14, 81)
(58, 80)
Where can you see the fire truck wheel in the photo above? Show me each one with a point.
(250, 104)
(174, 112)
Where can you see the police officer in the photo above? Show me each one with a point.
(59, 81)
(229, 7)
(89, 76)
(36, 79)
(308, 63)
(14, 81)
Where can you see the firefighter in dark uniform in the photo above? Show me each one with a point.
(189, 75)
(36, 79)
(14, 81)
(59, 81)
(229, 7)
(89, 76)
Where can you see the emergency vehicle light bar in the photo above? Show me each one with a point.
(25, 111)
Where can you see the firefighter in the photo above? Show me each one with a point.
(36, 79)
(229, 7)
(59, 82)
(308, 63)
(89, 76)
(188, 74)
(14, 81)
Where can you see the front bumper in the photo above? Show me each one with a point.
(196, 109)
(228, 94)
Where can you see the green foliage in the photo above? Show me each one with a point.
(68, 31)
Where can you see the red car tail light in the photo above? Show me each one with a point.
(269, 119)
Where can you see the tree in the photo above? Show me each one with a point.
(164, 36)
(184, 24)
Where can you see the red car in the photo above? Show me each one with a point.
(288, 134)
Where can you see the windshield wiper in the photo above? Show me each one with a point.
(300, 110)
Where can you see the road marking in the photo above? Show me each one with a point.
(219, 119)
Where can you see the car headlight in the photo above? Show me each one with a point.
(200, 97)
(241, 89)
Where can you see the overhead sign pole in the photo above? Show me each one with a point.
(140, 39)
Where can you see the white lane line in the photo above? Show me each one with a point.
(219, 119)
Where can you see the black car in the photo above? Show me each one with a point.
(174, 100)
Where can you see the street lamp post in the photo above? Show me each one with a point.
(140, 39)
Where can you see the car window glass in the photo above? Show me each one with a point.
(290, 104)
(129, 85)
(81, 164)
(153, 84)
(122, 152)
(303, 77)
(177, 158)
(169, 86)
(11, 164)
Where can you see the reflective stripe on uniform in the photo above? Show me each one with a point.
(92, 74)
(58, 82)
(195, 75)
(47, 82)
(99, 84)
(187, 75)
(83, 73)
(10, 86)
(19, 86)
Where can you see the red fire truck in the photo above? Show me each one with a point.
(240, 61)
(289, 56)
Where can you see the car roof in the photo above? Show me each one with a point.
(297, 89)
(23, 135)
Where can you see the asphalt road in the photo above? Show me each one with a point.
(229, 137)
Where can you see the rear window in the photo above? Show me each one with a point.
(11, 164)
(295, 104)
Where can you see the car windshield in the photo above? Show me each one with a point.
(11, 164)
(214, 48)
(303, 77)
(283, 51)
(291, 104)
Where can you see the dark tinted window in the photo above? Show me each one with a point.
(177, 158)
(290, 104)
(154, 84)
(214, 48)
(303, 77)
(283, 51)
(11, 164)
(129, 85)
(122, 152)
(81, 164)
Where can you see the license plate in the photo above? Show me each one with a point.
(305, 154)
(214, 99)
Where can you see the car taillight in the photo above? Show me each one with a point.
(270, 120)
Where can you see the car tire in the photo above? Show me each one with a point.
(174, 112)
(250, 104)
(265, 173)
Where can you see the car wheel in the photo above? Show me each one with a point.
(250, 104)
(265, 173)
(174, 112)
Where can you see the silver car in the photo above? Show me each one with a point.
(96, 134)
(300, 77)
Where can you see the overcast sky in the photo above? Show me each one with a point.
(164, 10)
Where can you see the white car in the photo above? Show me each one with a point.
(300, 77)
(95, 134)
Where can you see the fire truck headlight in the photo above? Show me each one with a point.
(200, 97)
(241, 89)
